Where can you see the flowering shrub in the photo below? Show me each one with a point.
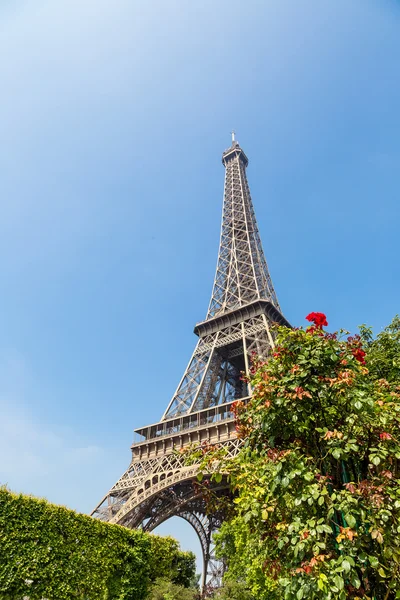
(316, 484)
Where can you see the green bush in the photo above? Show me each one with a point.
(168, 562)
(233, 590)
(166, 590)
(48, 551)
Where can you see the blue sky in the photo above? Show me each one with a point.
(113, 119)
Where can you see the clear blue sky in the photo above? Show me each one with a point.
(113, 118)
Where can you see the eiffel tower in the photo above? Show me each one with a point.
(158, 484)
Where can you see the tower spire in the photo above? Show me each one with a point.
(242, 273)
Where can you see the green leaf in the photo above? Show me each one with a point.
(350, 520)
(375, 460)
(373, 561)
(300, 594)
(339, 582)
(346, 565)
(247, 517)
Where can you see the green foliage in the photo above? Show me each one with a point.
(48, 551)
(233, 590)
(317, 506)
(166, 590)
(168, 561)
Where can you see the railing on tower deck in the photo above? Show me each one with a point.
(187, 422)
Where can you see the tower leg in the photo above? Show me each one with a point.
(206, 560)
(213, 568)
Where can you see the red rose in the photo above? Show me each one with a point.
(319, 319)
(385, 436)
(359, 355)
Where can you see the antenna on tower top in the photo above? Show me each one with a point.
(233, 136)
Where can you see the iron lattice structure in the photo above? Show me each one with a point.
(158, 484)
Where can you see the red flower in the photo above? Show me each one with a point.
(319, 319)
(359, 355)
(385, 436)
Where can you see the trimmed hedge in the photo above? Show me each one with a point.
(51, 552)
